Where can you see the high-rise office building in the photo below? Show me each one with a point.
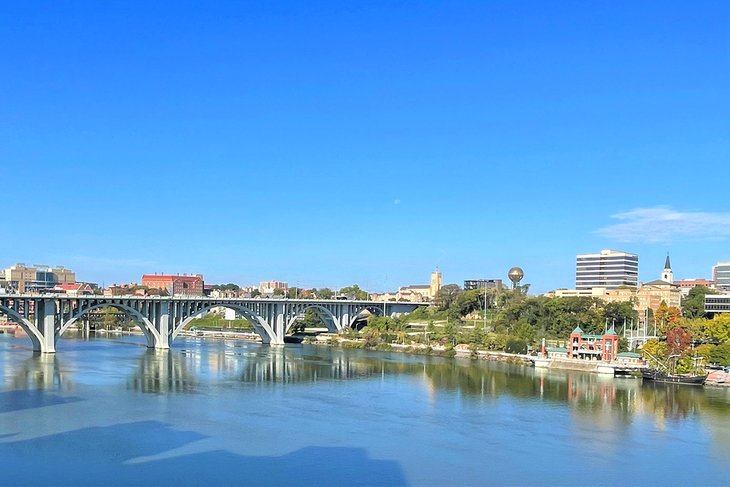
(608, 269)
(721, 276)
(471, 284)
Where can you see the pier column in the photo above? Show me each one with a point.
(162, 325)
(278, 324)
(45, 318)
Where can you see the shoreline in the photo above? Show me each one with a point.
(715, 378)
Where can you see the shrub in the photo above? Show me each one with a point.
(516, 345)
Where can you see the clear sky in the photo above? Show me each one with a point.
(331, 143)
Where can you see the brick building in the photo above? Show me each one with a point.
(593, 347)
(175, 285)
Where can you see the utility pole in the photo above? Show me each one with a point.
(484, 328)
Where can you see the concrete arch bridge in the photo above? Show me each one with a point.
(45, 317)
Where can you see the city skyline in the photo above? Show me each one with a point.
(330, 144)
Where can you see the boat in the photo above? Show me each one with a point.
(541, 362)
(656, 375)
(666, 372)
(293, 339)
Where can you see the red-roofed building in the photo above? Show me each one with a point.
(75, 289)
(175, 285)
(685, 285)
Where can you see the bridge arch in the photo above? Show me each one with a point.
(327, 317)
(150, 333)
(372, 309)
(260, 326)
(29, 328)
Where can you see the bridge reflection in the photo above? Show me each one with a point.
(591, 397)
(162, 371)
(39, 372)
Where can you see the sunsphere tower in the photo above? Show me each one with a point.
(515, 275)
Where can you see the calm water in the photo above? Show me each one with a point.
(110, 412)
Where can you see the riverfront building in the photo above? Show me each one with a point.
(416, 293)
(721, 276)
(267, 288)
(593, 347)
(717, 303)
(38, 278)
(175, 285)
(651, 294)
(607, 269)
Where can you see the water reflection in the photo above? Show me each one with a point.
(605, 402)
(39, 372)
(162, 371)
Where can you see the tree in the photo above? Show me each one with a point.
(354, 292)
(654, 350)
(293, 293)
(718, 328)
(619, 312)
(515, 345)
(678, 340)
(469, 301)
(255, 293)
(109, 317)
(525, 331)
(324, 293)
(720, 355)
(666, 317)
(693, 305)
(278, 292)
(227, 287)
(451, 330)
(447, 295)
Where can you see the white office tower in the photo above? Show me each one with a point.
(607, 269)
(721, 276)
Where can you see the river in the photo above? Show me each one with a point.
(108, 411)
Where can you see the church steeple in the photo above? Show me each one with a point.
(667, 275)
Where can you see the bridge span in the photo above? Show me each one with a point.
(45, 317)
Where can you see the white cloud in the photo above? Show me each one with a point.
(664, 225)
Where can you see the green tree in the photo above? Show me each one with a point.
(324, 293)
(516, 345)
(255, 293)
(469, 301)
(451, 330)
(295, 293)
(654, 351)
(693, 305)
(447, 296)
(227, 287)
(354, 292)
(525, 331)
(278, 292)
(718, 328)
(109, 318)
(720, 355)
(619, 312)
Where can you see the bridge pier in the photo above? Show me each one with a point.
(162, 325)
(45, 322)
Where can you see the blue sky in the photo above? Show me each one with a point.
(330, 143)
